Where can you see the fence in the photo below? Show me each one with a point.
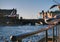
(46, 38)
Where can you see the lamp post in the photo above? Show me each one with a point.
(43, 13)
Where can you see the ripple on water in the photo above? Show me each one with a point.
(7, 31)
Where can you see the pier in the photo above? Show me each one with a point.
(54, 38)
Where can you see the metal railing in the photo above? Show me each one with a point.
(51, 26)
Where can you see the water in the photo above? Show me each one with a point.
(7, 31)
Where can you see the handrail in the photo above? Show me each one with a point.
(20, 37)
(35, 32)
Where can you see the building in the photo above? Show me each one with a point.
(50, 14)
(54, 13)
(8, 16)
(8, 13)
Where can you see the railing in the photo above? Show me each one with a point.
(46, 39)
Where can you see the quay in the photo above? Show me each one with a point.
(31, 21)
(47, 38)
(10, 17)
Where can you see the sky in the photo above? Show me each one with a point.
(28, 9)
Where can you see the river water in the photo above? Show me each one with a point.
(7, 31)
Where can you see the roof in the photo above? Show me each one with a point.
(6, 11)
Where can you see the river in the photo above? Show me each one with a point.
(7, 31)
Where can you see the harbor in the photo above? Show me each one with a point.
(30, 21)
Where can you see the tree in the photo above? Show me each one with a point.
(56, 5)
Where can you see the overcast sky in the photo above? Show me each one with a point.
(27, 8)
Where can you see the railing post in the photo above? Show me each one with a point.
(58, 30)
(53, 34)
(19, 40)
(56, 33)
(46, 36)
